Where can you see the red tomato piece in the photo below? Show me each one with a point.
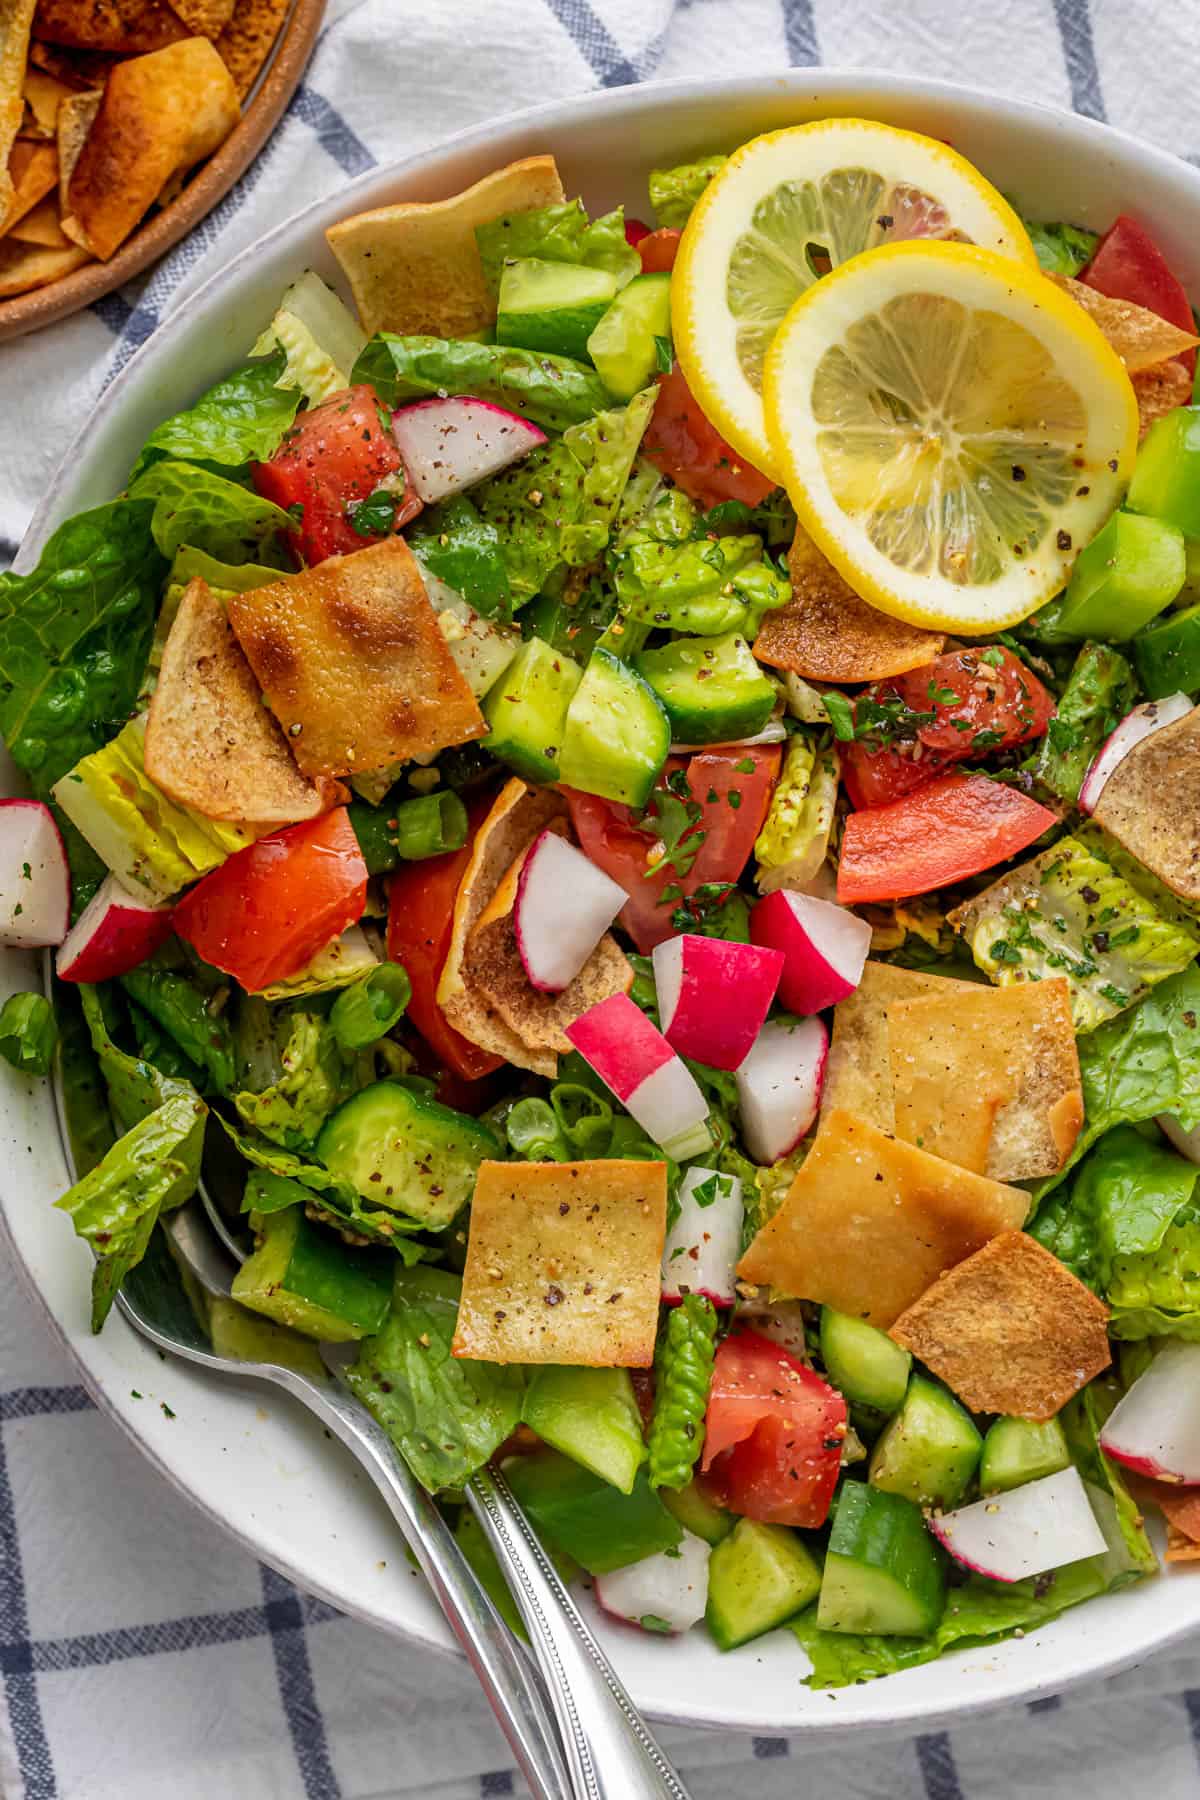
(980, 700)
(265, 913)
(333, 457)
(681, 442)
(658, 250)
(1128, 265)
(608, 835)
(420, 919)
(956, 826)
(773, 1434)
(635, 231)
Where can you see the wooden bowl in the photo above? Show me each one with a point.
(211, 182)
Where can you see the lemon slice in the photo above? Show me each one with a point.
(779, 214)
(952, 429)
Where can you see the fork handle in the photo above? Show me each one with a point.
(610, 1752)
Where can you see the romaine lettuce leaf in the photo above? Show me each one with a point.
(1061, 249)
(559, 233)
(181, 1007)
(240, 420)
(195, 506)
(1099, 693)
(551, 391)
(86, 1111)
(74, 635)
(222, 577)
(321, 338)
(334, 966)
(1130, 1552)
(460, 548)
(335, 1199)
(674, 192)
(446, 1416)
(1157, 1293)
(1144, 1063)
(1123, 1198)
(135, 1086)
(315, 1078)
(795, 834)
(669, 571)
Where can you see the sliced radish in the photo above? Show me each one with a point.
(448, 445)
(773, 732)
(35, 883)
(1155, 1427)
(635, 231)
(779, 1086)
(1141, 723)
(633, 1058)
(1042, 1525)
(713, 996)
(824, 946)
(1186, 1142)
(705, 1241)
(115, 932)
(564, 906)
(666, 1592)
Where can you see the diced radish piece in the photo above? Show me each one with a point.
(1140, 723)
(667, 1592)
(713, 996)
(705, 1241)
(773, 732)
(1186, 1142)
(824, 947)
(633, 1058)
(779, 1086)
(564, 906)
(35, 883)
(1155, 1427)
(114, 933)
(635, 231)
(1042, 1525)
(448, 445)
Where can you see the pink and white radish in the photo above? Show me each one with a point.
(779, 1086)
(1186, 1142)
(113, 934)
(666, 1592)
(635, 231)
(1155, 1427)
(450, 444)
(1141, 723)
(824, 947)
(564, 906)
(713, 996)
(35, 884)
(704, 1243)
(634, 1060)
(1042, 1525)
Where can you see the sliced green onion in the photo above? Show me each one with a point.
(367, 1009)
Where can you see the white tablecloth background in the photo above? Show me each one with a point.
(144, 1657)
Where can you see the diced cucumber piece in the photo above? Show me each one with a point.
(883, 1571)
(929, 1450)
(402, 1150)
(1168, 655)
(617, 733)
(1131, 570)
(697, 1513)
(623, 345)
(527, 710)
(1166, 476)
(586, 1517)
(862, 1362)
(301, 1276)
(1019, 1450)
(591, 1415)
(758, 1576)
(712, 688)
(247, 1337)
(552, 306)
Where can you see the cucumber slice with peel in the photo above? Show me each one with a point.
(862, 1362)
(1019, 1450)
(758, 1576)
(625, 344)
(883, 1573)
(929, 1451)
(551, 306)
(617, 734)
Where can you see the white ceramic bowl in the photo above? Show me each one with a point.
(251, 1461)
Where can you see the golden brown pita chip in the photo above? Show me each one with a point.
(76, 69)
(563, 1264)
(245, 44)
(76, 116)
(41, 226)
(1009, 1330)
(858, 1073)
(16, 18)
(353, 663)
(24, 267)
(33, 171)
(1160, 391)
(868, 1222)
(207, 18)
(43, 96)
(1180, 1548)
(160, 114)
(129, 27)
(211, 744)
(826, 633)
(1140, 338)
(1180, 1507)
(414, 267)
(1151, 805)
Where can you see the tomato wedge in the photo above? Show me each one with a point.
(1128, 265)
(265, 913)
(657, 249)
(680, 441)
(420, 918)
(731, 787)
(773, 1434)
(956, 826)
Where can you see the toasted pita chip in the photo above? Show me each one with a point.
(129, 27)
(868, 1222)
(353, 663)
(1140, 338)
(414, 268)
(1151, 805)
(563, 1264)
(44, 95)
(206, 18)
(76, 116)
(1180, 1507)
(1180, 1548)
(211, 744)
(1160, 391)
(33, 170)
(77, 69)
(24, 267)
(826, 633)
(16, 19)
(247, 40)
(160, 114)
(41, 226)
(858, 1073)
(1010, 1330)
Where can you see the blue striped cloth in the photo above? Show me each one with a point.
(142, 1655)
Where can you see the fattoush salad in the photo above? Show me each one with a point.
(640, 786)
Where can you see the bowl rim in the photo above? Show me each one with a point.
(912, 1711)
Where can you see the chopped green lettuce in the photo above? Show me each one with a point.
(445, 1415)
(551, 391)
(87, 1114)
(332, 1198)
(458, 547)
(560, 234)
(1120, 1204)
(320, 338)
(1061, 249)
(1130, 1552)
(135, 1086)
(1143, 1063)
(28, 1033)
(190, 1015)
(196, 506)
(347, 959)
(683, 1367)
(315, 1077)
(671, 572)
(794, 839)
(674, 192)
(1097, 696)
(240, 420)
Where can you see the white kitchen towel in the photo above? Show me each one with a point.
(142, 1655)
